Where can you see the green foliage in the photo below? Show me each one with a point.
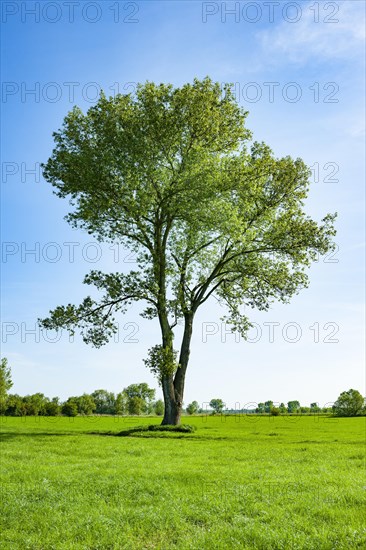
(349, 403)
(136, 405)
(293, 406)
(52, 408)
(274, 411)
(182, 428)
(70, 407)
(217, 405)
(141, 390)
(268, 405)
(161, 361)
(15, 405)
(85, 404)
(159, 407)
(121, 403)
(139, 398)
(135, 399)
(105, 401)
(5, 383)
(170, 174)
(193, 407)
(35, 404)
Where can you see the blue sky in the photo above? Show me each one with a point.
(298, 68)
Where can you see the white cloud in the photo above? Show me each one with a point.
(305, 39)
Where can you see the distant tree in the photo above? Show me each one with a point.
(349, 403)
(217, 405)
(136, 405)
(70, 407)
(52, 408)
(140, 390)
(15, 406)
(282, 408)
(304, 410)
(193, 408)
(159, 407)
(143, 392)
(268, 406)
(293, 406)
(85, 404)
(274, 411)
(260, 408)
(5, 383)
(314, 407)
(105, 401)
(121, 403)
(35, 404)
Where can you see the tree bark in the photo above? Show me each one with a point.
(173, 404)
(185, 350)
(173, 387)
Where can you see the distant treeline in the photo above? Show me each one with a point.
(139, 399)
(136, 399)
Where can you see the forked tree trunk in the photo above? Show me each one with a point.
(173, 387)
(172, 402)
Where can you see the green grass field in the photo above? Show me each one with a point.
(237, 482)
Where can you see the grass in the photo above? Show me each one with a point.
(236, 482)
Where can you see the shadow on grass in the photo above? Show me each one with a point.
(151, 430)
(7, 437)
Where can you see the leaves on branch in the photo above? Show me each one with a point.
(169, 174)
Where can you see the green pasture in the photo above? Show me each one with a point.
(245, 482)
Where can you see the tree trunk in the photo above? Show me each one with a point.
(173, 403)
(173, 387)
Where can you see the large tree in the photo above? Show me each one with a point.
(168, 173)
(349, 403)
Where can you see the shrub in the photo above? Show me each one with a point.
(159, 407)
(52, 408)
(193, 408)
(182, 428)
(70, 408)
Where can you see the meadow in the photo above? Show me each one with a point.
(246, 482)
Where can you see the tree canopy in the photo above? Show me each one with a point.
(349, 403)
(172, 174)
(5, 379)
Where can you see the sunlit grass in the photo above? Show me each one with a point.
(236, 482)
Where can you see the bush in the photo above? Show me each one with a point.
(182, 428)
(159, 407)
(70, 408)
(275, 411)
(52, 408)
(193, 408)
(15, 406)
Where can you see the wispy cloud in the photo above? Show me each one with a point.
(298, 42)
